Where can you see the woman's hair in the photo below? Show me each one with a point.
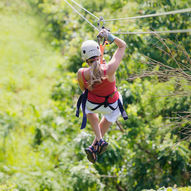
(96, 75)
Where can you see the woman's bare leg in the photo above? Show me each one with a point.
(104, 126)
(94, 122)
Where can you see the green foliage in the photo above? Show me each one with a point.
(172, 189)
(41, 145)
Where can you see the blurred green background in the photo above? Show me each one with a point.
(41, 144)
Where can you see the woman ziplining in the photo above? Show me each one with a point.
(100, 94)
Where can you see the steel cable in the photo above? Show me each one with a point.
(152, 15)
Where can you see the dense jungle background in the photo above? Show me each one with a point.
(41, 144)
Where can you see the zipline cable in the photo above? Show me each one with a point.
(152, 15)
(81, 15)
(147, 32)
(156, 32)
(85, 9)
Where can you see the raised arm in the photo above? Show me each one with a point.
(117, 56)
(119, 53)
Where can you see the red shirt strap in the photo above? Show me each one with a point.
(84, 80)
(104, 71)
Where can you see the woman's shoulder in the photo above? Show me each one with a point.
(83, 72)
(105, 69)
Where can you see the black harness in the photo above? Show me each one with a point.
(82, 101)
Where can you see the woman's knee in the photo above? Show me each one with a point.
(93, 119)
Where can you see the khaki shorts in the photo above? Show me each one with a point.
(109, 114)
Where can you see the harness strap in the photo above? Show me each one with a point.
(102, 47)
(82, 100)
(112, 108)
(78, 105)
(105, 104)
(123, 113)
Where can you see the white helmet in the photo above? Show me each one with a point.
(89, 49)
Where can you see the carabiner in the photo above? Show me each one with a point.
(102, 46)
(101, 20)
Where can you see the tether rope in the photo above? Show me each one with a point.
(85, 9)
(152, 15)
(81, 15)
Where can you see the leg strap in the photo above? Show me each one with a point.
(82, 100)
(123, 113)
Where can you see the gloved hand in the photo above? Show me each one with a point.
(103, 33)
(107, 35)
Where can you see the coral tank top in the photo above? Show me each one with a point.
(102, 90)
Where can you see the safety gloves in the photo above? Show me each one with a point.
(104, 33)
